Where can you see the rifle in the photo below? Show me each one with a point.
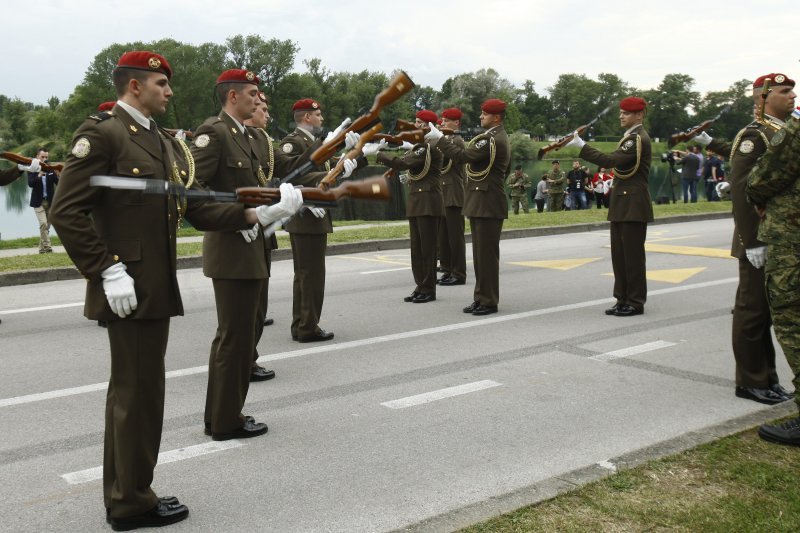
(369, 189)
(558, 144)
(398, 86)
(22, 160)
(690, 133)
(354, 153)
(413, 137)
(404, 125)
(188, 134)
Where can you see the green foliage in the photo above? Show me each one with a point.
(522, 147)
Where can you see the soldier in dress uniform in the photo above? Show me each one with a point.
(487, 156)
(308, 232)
(451, 244)
(556, 187)
(751, 334)
(123, 242)
(630, 206)
(421, 165)
(226, 158)
(774, 187)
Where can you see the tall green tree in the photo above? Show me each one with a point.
(738, 97)
(669, 105)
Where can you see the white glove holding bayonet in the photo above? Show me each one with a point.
(337, 131)
(351, 139)
(118, 286)
(374, 148)
(576, 140)
(723, 189)
(757, 256)
(290, 203)
(406, 146)
(434, 134)
(35, 166)
(251, 234)
(703, 138)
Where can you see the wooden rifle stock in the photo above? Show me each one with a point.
(399, 86)
(331, 176)
(404, 126)
(369, 189)
(682, 136)
(22, 160)
(560, 143)
(413, 137)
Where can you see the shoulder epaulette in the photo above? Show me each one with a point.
(103, 115)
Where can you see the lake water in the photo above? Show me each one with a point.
(16, 216)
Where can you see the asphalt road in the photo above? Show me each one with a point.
(415, 416)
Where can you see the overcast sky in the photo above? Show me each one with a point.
(49, 45)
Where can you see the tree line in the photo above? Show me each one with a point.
(573, 99)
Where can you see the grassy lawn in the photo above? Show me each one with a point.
(529, 220)
(739, 483)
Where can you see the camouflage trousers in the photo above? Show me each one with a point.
(556, 202)
(517, 201)
(783, 292)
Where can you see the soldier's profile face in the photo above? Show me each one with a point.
(154, 93)
(420, 124)
(247, 101)
(315, 118)
(260, 117)
(450, 124)
(780, 101)
(628, 118)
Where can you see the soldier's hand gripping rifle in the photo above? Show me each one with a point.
(26, 161)
(413, 137)
(561, 142)
(692, 132)
(399, 86)
(353, 154)
(404, 125)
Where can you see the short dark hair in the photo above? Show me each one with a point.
(223, 88)
(121, 76)
(42, 149)
(518, 167)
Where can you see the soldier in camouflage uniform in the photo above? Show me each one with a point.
(519, 183)
(556, 184)
(774, 187)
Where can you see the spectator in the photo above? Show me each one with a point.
(541, 194)
(712, 174)
(690, 164)
(43, 184)
(519, 183)
(600, 189)
(556, 180)
(576, 180)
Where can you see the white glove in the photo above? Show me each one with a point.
(757, 256)
(180, 135)
(351, 139)
(35, 166)
(576, 140)
(349, 167)
(337, 131)
(291, 202)
(403, 178)
(704, 138)
(434, 135)
(317, 211)
(373, 148)
(723, 189)
(118, 286)
(251, 234)
(406, 145)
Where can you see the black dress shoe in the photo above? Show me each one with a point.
(321, 335)
(102, 323)
(612, 310)
(259, 373)
(776, 387)
(446, 277)
(166, 500)
(423, 298)
(410, 297)
(627, 310)
(767, 396)
(250, 429)
(471, 307)
(453, 281)
(207, 430)
(269, 322)
(160, 515)
(786, 433)
(484, 310)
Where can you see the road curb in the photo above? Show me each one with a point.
(43, 275)
(550, 488)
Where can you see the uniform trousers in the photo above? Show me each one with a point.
(629, 263)
(231, 356)
(486, 259)
(452, 247)
(308, 289)
(261, 314)
(134, 414)
(751, 334)
(424, 231)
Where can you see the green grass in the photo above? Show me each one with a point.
(739, 483)
(394, 231)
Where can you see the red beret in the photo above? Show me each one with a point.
(493, 106)
(306, 104)
(237, 75)
(262, 97)
(453, 113)
(632, 104)
(149, 61)
(427, 116)
(106, 106)
(777, 79)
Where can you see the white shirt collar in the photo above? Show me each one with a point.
(238, 124)
(773, 119)
(137, 115)
(307, 132)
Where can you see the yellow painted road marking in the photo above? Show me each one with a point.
(557, 264)
(379, 259)
(719, 253)
(673, 275)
